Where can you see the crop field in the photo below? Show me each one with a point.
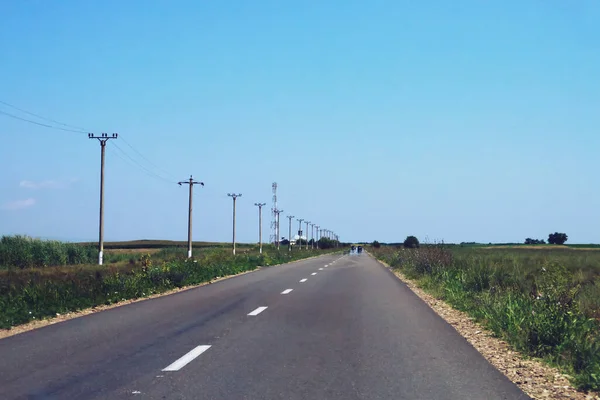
(543, 300)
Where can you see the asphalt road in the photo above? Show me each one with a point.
(351, 330)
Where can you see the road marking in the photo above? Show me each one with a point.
(326, 265)
(258, 311)
(286, 291)
(302, 280)
(314, 273)
(320, 269)
(183, 361)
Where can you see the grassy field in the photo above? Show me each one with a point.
(544, 301)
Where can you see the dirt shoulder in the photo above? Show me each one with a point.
(535, 378)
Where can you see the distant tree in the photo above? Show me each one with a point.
(557, 238)
(534, 241)
(284, 242)
(325, 243)
(376, 244)
(411, 242)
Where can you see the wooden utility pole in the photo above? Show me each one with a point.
(190, 182)
(103, 138)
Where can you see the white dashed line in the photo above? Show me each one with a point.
(302, 280)
(258, 311)
(320, 269)
(314, 273)
(286, 291)
(183, 361)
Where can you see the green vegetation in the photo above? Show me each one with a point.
(545, 302)
(28, 293)
(25, 252)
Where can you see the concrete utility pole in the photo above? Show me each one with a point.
(277, 232)
(312, 236)
(307, 222)
(317, 237)
(234, 196)
(300, 231)
(103, 138)
(260, 206)
(190, 182)
(290, 217)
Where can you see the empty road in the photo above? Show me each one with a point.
(333, 327)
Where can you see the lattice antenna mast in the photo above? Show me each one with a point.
(274, 234)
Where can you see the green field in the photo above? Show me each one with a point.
(543, 300)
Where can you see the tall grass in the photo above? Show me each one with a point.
(25, 252)
(35, 293)
(544, 303)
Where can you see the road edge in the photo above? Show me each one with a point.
(537, 379)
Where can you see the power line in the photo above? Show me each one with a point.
(39, 123)
(41, 117)
(83, 130)
(140, 165)
(147, 160)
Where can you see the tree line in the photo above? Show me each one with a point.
(553, 238)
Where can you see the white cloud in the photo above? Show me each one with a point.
(48, 184)
(18, 204)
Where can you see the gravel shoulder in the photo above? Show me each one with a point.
(534, 377)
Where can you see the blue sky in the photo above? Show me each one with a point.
(454, 121)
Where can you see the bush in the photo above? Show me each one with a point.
(376, 244)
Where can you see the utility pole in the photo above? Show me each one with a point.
(300, 231)
(317, 241)
(103, 138)
(190, 182)
(312, 236)
(290, 217)
(260, 206)
(234, 196)
(277, 232)
(307, 222)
